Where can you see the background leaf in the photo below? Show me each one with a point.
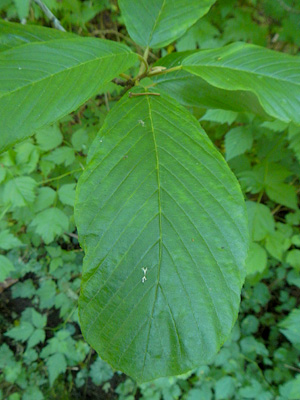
(49, 223)
(6, 267)
(157, 195)
(22, 8)
(56, 365)
(160, 22)
(237, 141)
(41, 82)
(256, 260)
(13, 35)
(19, 192)
(272, 76)
(290, 327)
(191, 90)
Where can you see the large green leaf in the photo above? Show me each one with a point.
(271, 76)
(191, 90)
(13, 35)
(41, 82)
(161, 219)
(160, 22)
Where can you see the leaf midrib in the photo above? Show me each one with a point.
(160, 229)
(156, 22)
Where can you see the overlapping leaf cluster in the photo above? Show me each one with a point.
(259, 137)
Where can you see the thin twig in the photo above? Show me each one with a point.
(143, 94)
(129, 83)
(291, 367)
(50, 15)
(125, 76)
(161, 71)
(60, 176)
(73, 235)
(288, 8)
(106, 102)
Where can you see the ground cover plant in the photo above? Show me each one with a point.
(160, 207)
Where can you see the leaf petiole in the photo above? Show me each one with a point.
(143, 94)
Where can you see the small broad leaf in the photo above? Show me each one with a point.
(24, 289)
(38, 336)
(49, 137)
(56, 365)
(6, 266)
(8, 241)
(49, 223)
(161, 219)
(225, 388)
(256, 261)
(43, 81)
(22, 8)
(66, 194)
(19, 192)
(276, 244)
(100, 372)
(291, 389)
(271, 76)
(220, 116)
(45, 198)
(270, 177)
(47, 294)
(283, 193)
(237, 141)
(63, 155)
(13, 35)
(293, 258)
(290, 327)
(27, 157)
(161, 22)
(38, 320)
(32, 392)
(261, 221)
(21, 332)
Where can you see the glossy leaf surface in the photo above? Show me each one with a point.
(42, 82)
(271, 76)
(161, 220)
(160, 22)
(192, 90)
(13, 34)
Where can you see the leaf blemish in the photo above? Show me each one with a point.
(144, 278)
(141, 122)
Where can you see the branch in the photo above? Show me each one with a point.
(50, 15)
(288, 8)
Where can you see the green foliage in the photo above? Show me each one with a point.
(183, 181)
(93, 64)
(162, 22)
(273, 77)
(43, 354)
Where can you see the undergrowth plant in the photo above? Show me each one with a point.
(160, 216)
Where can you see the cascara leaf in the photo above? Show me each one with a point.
(42, 82)
(162, 222)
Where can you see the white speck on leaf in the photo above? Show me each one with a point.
(141, 122)
(144, 278)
